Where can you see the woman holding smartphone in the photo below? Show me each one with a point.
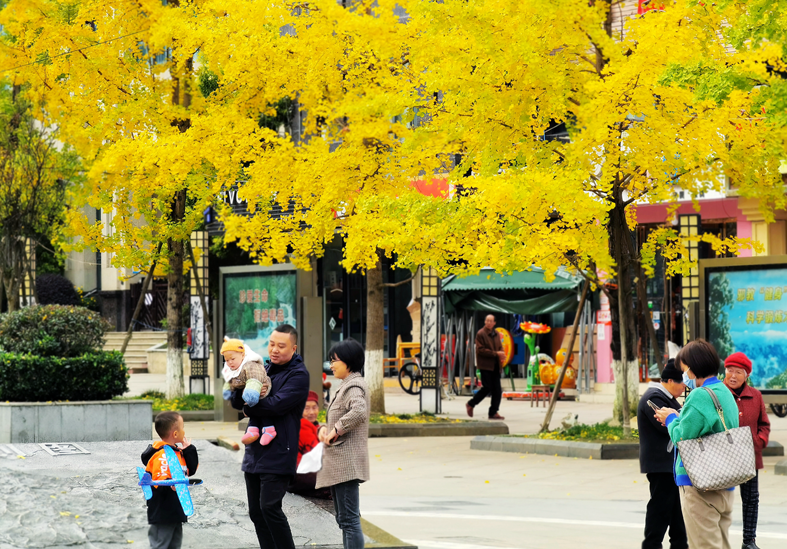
(345, 462)
(708, 514)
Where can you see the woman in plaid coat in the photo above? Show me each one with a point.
(345, 462)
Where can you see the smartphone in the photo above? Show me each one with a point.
(655, 408)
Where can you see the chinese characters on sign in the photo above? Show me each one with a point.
(261, 315)
(769, 293)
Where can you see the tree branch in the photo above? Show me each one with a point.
(402, 282)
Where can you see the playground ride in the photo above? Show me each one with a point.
(542, 370)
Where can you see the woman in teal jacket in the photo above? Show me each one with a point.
(707, 515)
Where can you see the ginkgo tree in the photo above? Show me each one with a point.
(390, 93)
(482, 81)
(116, 81)
(170, 103)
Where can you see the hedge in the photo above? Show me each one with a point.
(55, 289)
(52, 330)
(92, 376)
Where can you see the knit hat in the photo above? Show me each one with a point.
(312, 397)
(671, 372)
(232, 345)
(738, 360)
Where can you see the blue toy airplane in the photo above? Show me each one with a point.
(179, 480)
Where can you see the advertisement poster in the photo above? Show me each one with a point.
(255, 303)
(747, 312)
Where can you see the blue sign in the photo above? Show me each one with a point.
(747, 312)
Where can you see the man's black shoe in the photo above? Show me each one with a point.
(750, 545)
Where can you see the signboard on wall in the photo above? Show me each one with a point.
(257, 301)
(746, 311)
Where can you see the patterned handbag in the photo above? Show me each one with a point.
(721, 460)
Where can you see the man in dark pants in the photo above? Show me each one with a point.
(655, 460)
(270, 469)
(489, 356)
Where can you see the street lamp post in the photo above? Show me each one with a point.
(430, 341)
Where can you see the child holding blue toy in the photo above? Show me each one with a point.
(165, 512)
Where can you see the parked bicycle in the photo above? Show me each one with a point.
(411, 376)
(779, 409)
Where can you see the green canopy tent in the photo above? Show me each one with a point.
(523, 293)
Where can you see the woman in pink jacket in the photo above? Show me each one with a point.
(737, 369)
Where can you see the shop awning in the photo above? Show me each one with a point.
(524, 293)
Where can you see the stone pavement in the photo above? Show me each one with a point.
(438, 494)
(93, 501)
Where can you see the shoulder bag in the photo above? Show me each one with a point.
(721, 460)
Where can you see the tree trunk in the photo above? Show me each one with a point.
(175, 249)
(13, 269)
(12, 294)
(626, 378)
(375, 333)
(650, 330)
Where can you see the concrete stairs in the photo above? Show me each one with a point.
(136, 352)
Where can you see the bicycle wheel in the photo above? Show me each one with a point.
(410, 378)
(779, 409)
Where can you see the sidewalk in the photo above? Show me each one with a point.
(438, 494)
(521, 418)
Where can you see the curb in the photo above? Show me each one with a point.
(564, 448)
(773, 449)
(199, 415)
(781, 468)
(464, 429)
(587, 450)
(382, 539)
(404, 430)
(229, 444)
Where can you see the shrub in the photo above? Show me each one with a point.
(52, 330)
(55, 289)
(91, 376)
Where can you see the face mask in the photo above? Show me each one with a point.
(690, 383)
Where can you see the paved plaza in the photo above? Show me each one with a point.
(434, 492)
(93, 501)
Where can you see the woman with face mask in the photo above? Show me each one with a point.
(707, 515)
(737, 369)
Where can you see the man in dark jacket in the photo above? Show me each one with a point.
(489, 355)
(270, 469)
(655, 460)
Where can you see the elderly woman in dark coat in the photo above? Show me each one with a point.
(346, 457)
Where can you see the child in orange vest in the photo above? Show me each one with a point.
(165, 513)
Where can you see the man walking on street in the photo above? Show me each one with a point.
(655, 460)
(489, 356)
(269, 469)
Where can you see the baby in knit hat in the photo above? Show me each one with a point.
(244, 371)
